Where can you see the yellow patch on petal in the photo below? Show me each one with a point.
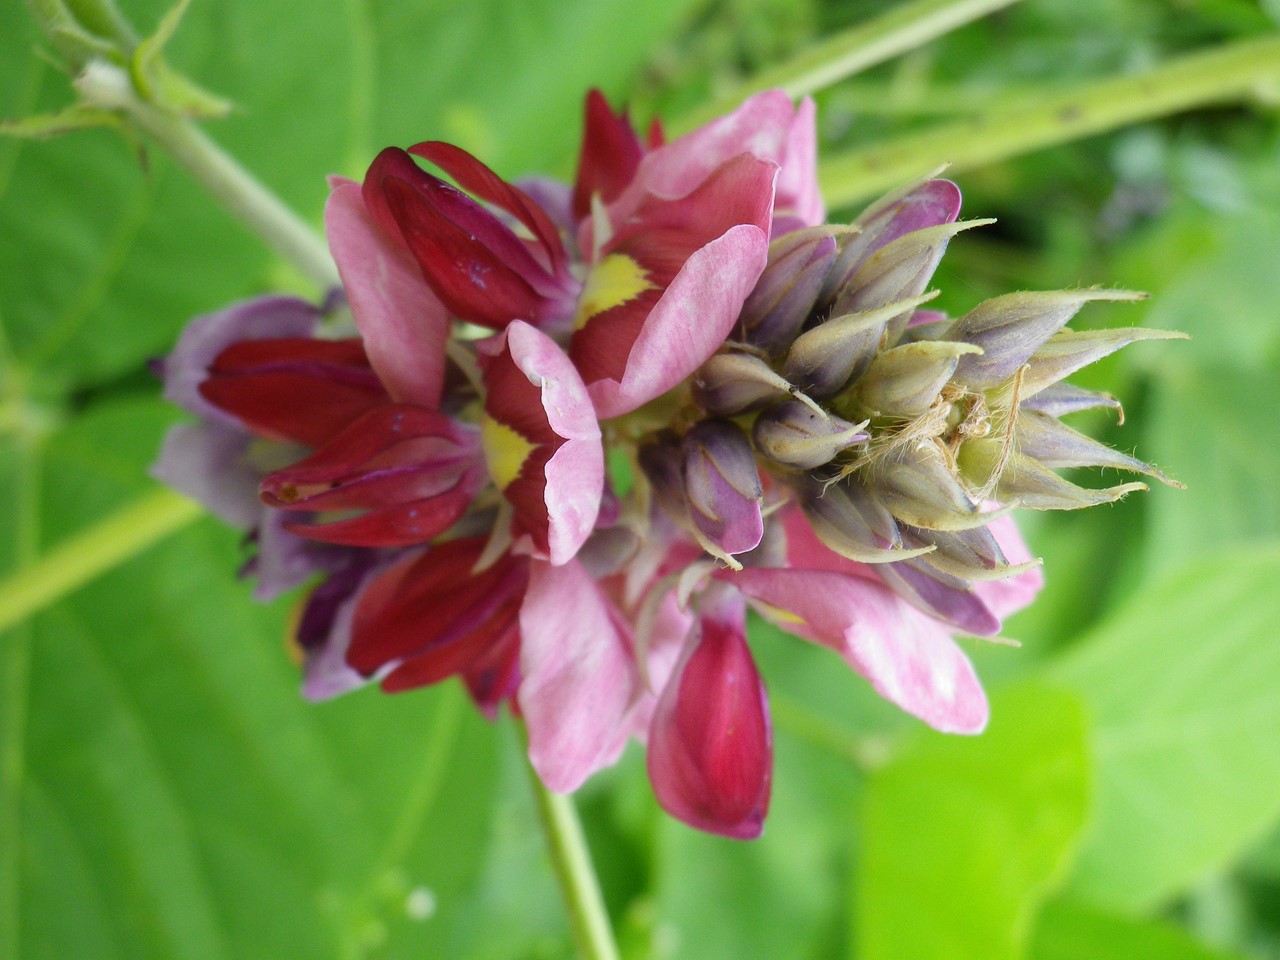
(505, 451)
(615, 280)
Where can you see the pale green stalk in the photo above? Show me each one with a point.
(902, 29)
(102, 547)
(106, 85)
(15, 670)
(571, 861)
(1055, 117)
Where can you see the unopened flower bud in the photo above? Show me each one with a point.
(663, 464)
(941, 595)
(722, 484)
(1009, 329)
(900, 270)
(919, 487)
(905, 381)
(971, 555)
(1063, 398)
(731, 383)
(823, 360)
(914, 207)
(849, 520)
(785, 294)
(797, 435)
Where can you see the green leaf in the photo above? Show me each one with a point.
(179, 788)
(45, 125)
(1071, 931)
(964, 838)
(1184, 685)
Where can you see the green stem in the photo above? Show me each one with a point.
(15, 670)
(577, 877)
(1055, 117)
(76, 561)
(234, 187)
(902, 29)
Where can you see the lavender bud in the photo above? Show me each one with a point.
(905, 381)
(1025, 482)
(723, 489)
(663, 464)
(785, 294)
(797, 435)
(1057, 446)
(823, 360)
(1063, 398)
(941, 595)
(970, 555)
(918, 487)
(848, 519)
(1009, 329)
(731, 383)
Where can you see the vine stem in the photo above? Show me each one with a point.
(1053, 117)
(243, 195)
(899, 30)
(101, 547)
(575, 873)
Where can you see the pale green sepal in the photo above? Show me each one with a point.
(1057, 446)
(159, 84)
(906, 380)
(1070, 350)
(46, 125)
(1028, 484)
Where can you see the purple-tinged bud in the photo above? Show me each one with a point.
(1070, 350)
(906, 380)
(662, 461)
(732, 383)
(1064, 398)
(722, 485)
(847, 519)
(914, 207)
(941, 595)
(919, 487)
(785, 294)
(1057, 446)
(969, 555)
(1009, 329)
(823, 360)
(1022, 481)
(899, 271)
(797, 435)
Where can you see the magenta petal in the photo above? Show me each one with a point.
(909, 658)
(579, 680)
(689, 322)
(403, 323)
(710, 753)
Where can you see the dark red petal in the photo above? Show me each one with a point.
(611, 152)
(474, 176)
(294, 389)
(403, 525)
(433, 606)
(710, 753)
(468, 276)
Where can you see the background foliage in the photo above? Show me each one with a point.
(165, 792)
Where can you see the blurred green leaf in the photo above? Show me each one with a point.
(1184, 686)
(1070, 931)
(963, 838)
(180, 789)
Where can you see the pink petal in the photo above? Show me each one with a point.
(909, 658)
(579, 680)
(573, 480)
(1005, 597)
(799, 199)
(403, 323)
(689, 322)
(710, 754)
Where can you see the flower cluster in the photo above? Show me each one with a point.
(576, 431)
